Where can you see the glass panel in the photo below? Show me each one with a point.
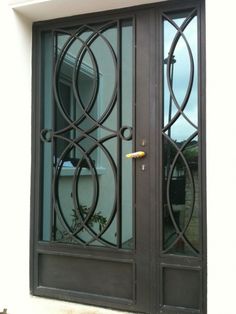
(91, 123)
(127, 145)
(180, 140)
(46, 204)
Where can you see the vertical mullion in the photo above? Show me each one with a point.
(199, 124)
(202, 153)
(119, 144)
(153, 151)
(134, 47)
(160, 144)
(161, 139)
(37, 156)
(53, 144)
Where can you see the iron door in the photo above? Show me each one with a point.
(109, 227)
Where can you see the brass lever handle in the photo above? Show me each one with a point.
(139, 154)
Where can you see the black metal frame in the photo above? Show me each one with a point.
(148, 246)
(198, 263)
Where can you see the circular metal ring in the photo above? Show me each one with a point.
(46, 135)
(123, 131)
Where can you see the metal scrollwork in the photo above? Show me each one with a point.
(176, 151)
(84, 218)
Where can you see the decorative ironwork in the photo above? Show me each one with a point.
(176, 151)
(84, 217)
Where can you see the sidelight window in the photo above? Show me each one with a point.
(181, 203)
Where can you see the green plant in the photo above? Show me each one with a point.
(96, 218)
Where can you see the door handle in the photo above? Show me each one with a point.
(139, 154)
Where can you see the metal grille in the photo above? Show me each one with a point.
(83, 135)
(180, 149)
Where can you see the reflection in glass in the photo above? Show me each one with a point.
(180, 136)
(92, 105)
(127, 145)
(46, 149)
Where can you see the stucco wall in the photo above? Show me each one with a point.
(48, 9)
(221, 155)
(15, 128)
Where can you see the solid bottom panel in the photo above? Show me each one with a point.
(181, 288)
(90, 276)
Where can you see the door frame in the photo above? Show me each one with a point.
(149, 244)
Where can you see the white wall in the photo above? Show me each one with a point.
(48, 9)
(15, 58)
(221, 155)
(15, 126)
